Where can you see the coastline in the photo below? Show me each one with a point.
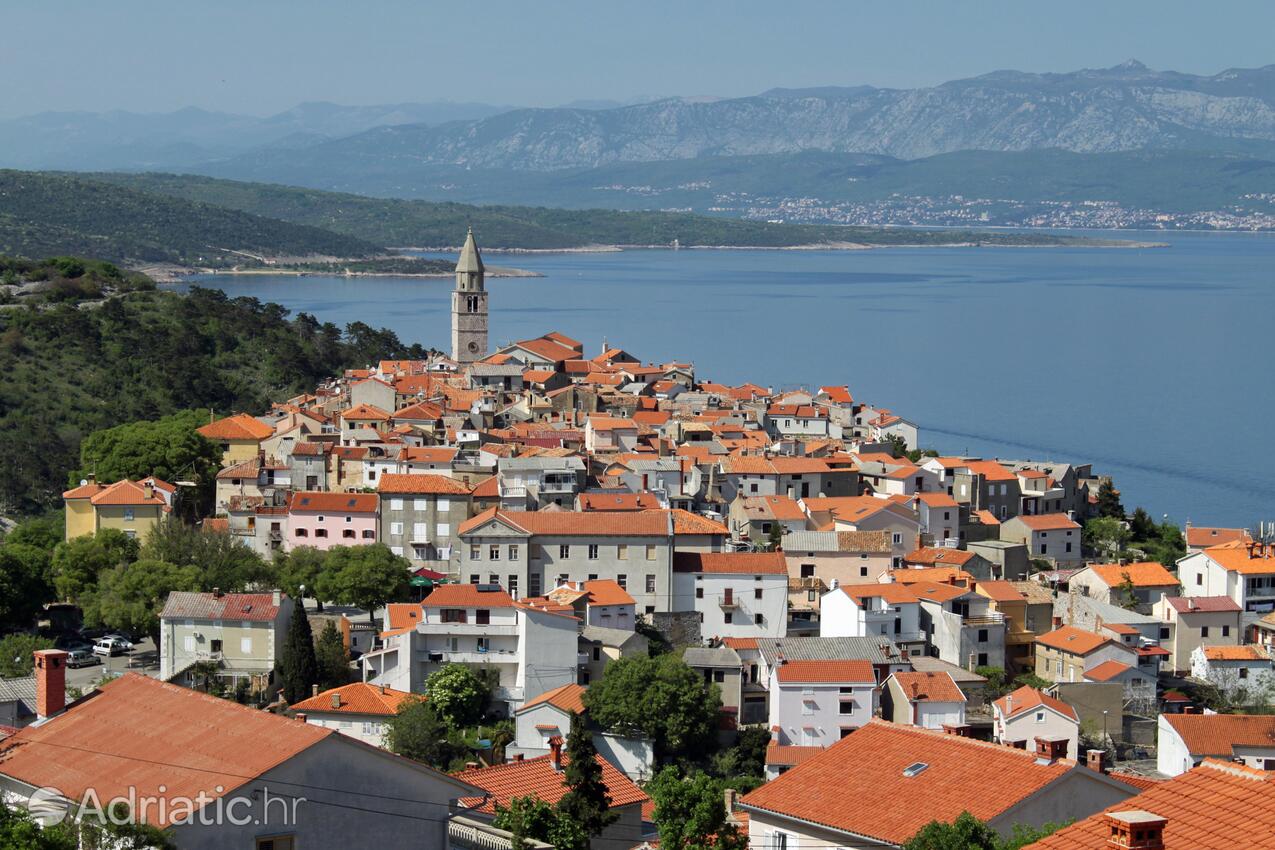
(813, 246)
(180, 274)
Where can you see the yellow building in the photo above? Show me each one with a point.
(133, 507)
(239, 436)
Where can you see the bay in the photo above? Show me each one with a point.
(1153, 364)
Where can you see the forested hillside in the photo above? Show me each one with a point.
(68, 369)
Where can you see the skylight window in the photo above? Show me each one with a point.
(914, 768)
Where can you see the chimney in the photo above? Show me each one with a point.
(730, 794)
(148, 490)
(471, 765)
(336, 700)
(1135, 830)
(1096, 760)
(1050, 750)
(555, 753)
(301, 715)
(276, 598)
(960, 730)
(1058, 622)
(50, 682)
(314, 690)
(217, 592)
(517, 756)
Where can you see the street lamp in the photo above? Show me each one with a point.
(1105, 740)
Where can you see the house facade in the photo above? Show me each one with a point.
(240, 633)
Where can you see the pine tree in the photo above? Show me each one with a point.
(332, 658)
(298, 669)
(776, 539)
(1109, 501)
(586, 803)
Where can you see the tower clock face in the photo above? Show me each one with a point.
(473, 346)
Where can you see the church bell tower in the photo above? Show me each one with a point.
(469, 306)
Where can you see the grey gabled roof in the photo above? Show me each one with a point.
(878, 650)
(926, 664)
(711, 656)
(664, 464)
(572, 463)
(610, 637)
(21, 691)
(497, 369)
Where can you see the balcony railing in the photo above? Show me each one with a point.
(807, 583)
(728, 600)
(990, 619)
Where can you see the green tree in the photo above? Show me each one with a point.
(24, 585)
(1031, 680)
(586, 801)
(690, 813)
(965, 833)
(298, 669)
(457, 694)
(775, 540)
(131, 597)
(16, 657)
(525, 818)
(300, 568)
(44, 533)
(658, 698)
(78, 563)
(20, 831)
(1106, 536)
(332, 658)
(997, 683)
(1141, 526)
(744, 764)
(1109, 501)
(169, 448)
(417, 732)
(364, 576)
(1127, 591)
(224, 563)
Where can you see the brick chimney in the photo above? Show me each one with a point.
(1051, 749)
(50, 682)
(555, 752)
(1096, 760)
(1135, 830)
(517, 756)
(961, 730)
(314, 690)
(301, 715)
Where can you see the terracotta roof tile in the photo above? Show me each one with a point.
(1028, 698)
(733, 563)
(240, 426)
(536, 777)
(421, 484)
(1047, 522)
(939, 555)
(790, 756)
(335, 503)
(1106, 671)
(1201, 537)
(356, 698)
(1073, 640)
(1142, 574)
(1247, 652)
(1217, 734)
(569, 698)
(929, 687)
(467, 596)
(257, 607)
(1202, 604)
(851, 670)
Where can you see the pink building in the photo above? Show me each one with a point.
(324, 520)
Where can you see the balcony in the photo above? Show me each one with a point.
(435, 627)
(476, 657)
(728, 601)
(207, 655)
(806, 583)
(553, 485)
(992, 618)
(513, 491)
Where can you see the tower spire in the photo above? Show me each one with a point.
(469, 305)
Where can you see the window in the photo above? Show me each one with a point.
(1164, 633)
(808, 707)
(897, 538)
(474, 578)
(593, 551)
(1040, 717)
(1226, 631)
(758, 619)
(513, 551)
(189, 643)
(1243, 672)
(369, 534)
(1069, 547)
(752, 488)
(623, 581)
(420, 530)
(443, 529)
(493, 552)
(512, 585)
(475, 552)
(533, 584)
(779, 841)
(492, 578)
(592, 577)
(719, 675)
(1204, 631)
(564, 552)
(807, 570)
(397, 550)
(1059, 667)
(728, 617)
(444, 503)
(863, 571)
(396, 529)
(1042, 548)
(320, 532)
(846, 706)
(245, 645)
(276, 842)
(622, 552)
(347, 534)
(128, 515)
(982, 635)
(453, 615)
(482, 616)
(650, 583)
(597, 653)
(396, 504)
(301, 532)
(982, 659)
(650, 552)
(757, 593)
(420, 504)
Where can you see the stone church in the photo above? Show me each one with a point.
(469, 306)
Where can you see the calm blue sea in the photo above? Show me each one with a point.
(1154, 364)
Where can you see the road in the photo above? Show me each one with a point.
(143, 659)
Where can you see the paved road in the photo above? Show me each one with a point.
(143, 659)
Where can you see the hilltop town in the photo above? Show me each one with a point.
(575, 599)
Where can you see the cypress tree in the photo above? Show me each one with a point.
(586, 802)
(298, 669)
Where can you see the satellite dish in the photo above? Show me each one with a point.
(84, 482)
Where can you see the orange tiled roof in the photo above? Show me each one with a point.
(732, 563)
(467, 596)
(1027, 698)
(537, 778)
(1106, 671)
(569, 698)
(891, 592)
(417, 484)
(935, 592)
(1142, 574)
(1216, 806)
(605, 591)
(1242, 559)
(846, 670)
(790, 756)
(929, 687)
(140, 734)
(1073, 640)
(241, 426)
(125, 493)
(740, 643)
(939, 555)
(867, 767)
(1218, 734)
(356, 698)
(402, 615)
(1047, 522)
(1247, 652)
(935, 575)
(1000, 591)
(1201, 537)
(618, 502)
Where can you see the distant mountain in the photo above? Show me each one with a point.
(1126, 107)
(130, 140)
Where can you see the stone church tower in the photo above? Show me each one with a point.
(469, 306)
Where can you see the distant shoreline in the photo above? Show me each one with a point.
(814, 246)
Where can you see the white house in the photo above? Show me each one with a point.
(1026, 714)
(1052, 536)
(600, 602)
(1243, 571)
(532, 646)
(931, 699)
(816, 703)
(358, 710)
(1141, 584)
(1233, 669)
(541, 719)
(961, 626)
(1185, 740)
(1188, 622)
(867, 610)
(736, 594)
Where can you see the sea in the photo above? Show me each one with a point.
(1154, 364)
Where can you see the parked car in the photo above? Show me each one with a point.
(121, 640)
(82, 658)
(110, 646)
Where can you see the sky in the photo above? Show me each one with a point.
(264, 56)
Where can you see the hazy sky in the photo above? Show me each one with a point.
(262, 56)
